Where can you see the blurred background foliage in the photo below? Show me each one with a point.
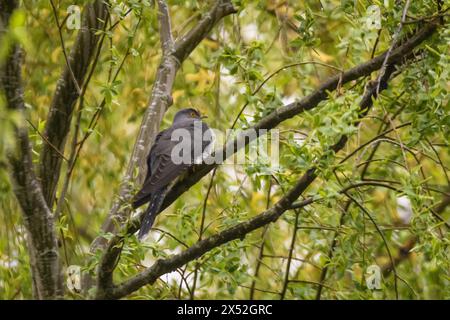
(222, 76)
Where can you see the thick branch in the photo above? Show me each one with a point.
(38, 220)
(61, 109)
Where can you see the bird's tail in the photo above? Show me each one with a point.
(151, 212)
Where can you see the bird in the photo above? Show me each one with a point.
(163, 161)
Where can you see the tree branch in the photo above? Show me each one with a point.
(165, 28)
(38, 220)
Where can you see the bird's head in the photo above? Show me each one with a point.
(188, 113)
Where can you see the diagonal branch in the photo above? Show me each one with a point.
(309, 102)
(66, 95)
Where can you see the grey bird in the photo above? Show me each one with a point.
(162, 170)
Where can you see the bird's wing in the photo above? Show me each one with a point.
(152, 154)
(161, 169)
(144, 195)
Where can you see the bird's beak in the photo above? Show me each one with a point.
(203, 117)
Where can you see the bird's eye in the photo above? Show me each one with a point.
(193, 115)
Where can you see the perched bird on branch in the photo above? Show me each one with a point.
(174, 151)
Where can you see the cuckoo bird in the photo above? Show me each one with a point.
(174, 151)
